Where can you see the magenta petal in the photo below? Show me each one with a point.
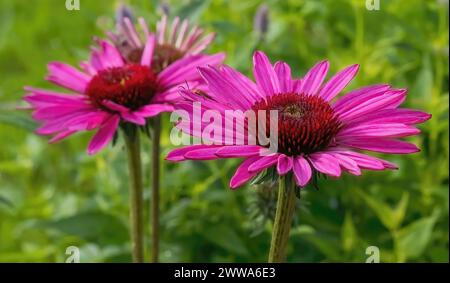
(224, 88)
(389, 100)
(129, 28)
(208, 153)
(302, 171)
(147, 54)
(263, 163)
(104, 134)
(238, 151)
(62, 136)
(402, 115)
(88, 122)
(401, 96)
(326, 164)
(242, 174)
(381, 145)
(77, 120)
(107, 57)
(134, 118)
(284, 164)
(67, 76)
(125, 113)
(389, 165)
(201, 44)
(283, 72)
(242, 82)
(115, 107)
(185, 69)
(347, 163)
(388, 130)
(365, 161)
(153, 110)
(95, 61)
(178, 154)
(110, 55)
(169, 96)
(57, 111)
(88, 68)
(358, 96)
(265, 75)
(338, 82)
(314, 78)
(297, 86)
(43, 98)
(161, 29)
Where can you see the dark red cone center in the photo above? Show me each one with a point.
(131, 86)
(163, 56)
(306, 123)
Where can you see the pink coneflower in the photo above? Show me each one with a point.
(315, 132)
(111, 90)
(173, 41)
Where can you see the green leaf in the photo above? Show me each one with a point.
(348, 233)
(92, 226)
(6, 202)
(414, 238)
(400, 210)
(390, 217)
(327, 245)
(193, 9)
(16, 119)
(424, 81)
(226, 238)
(303, 230)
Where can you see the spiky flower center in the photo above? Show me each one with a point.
(306, 123)
(131, 86)
(165, 54)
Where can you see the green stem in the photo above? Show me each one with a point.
(283, 220)
(155, 188)
(136, 198)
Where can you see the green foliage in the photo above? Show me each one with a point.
(55, 196)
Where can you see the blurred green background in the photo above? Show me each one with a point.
(55, 196)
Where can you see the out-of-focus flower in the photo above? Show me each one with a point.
(165, 8)
(173, 41)
(124, 11)
(261, 21)
(316, 133)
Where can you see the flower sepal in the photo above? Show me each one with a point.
(266, 177)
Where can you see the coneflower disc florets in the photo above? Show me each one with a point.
(165, 54)
(131, 86)
(306, 123)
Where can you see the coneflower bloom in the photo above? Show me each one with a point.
(173, 41)
(110, 90)
(317, 132)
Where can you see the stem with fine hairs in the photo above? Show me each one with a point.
(283, 219)
(136, 198)
(155, 188)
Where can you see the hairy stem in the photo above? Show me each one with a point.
(136, 198)
(283, 219)
(155, 188)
